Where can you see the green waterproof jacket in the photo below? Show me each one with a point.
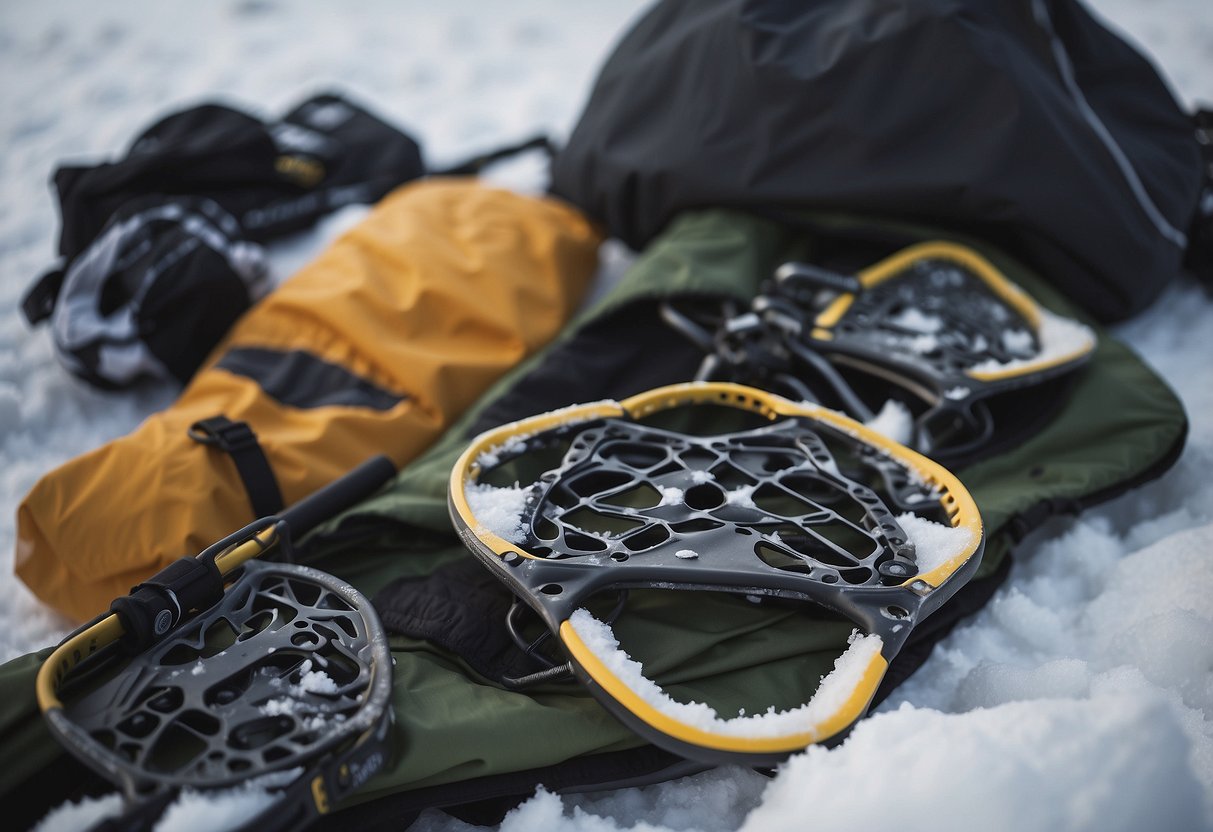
(461, 738)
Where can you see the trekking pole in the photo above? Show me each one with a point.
(155, 606)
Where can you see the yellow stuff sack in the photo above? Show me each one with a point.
(375, 347)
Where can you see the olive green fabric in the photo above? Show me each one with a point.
(1121, 422)
(1120, 426)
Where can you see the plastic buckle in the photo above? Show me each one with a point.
(223, 433)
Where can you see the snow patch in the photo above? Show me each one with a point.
(1018, 341)
(293, 707)
(511, 447)
(190, 811)
(742, 496)
(1059, 337)
(315, 681)
(670, 496)
(193, 811)
(934, 543)
(498, 510)
(835, 688)
(517, 443)
(915, 320)
(922, 344)
(72, 817)
(1032, 768)
(894, 421)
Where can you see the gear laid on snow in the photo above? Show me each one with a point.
(937, 322)
(1118, 427)
(810, 506)
(281, 678)
(817, 561)
(374, 347)
(160, 249)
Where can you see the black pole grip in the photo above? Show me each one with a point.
(338, 495)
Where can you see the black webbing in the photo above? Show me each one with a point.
(476, 164)
(238, 441)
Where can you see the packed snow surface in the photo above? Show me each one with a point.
(835, 688)
(190, 811)
(1079, 699)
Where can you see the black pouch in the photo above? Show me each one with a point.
(159, 250)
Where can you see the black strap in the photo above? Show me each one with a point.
(460, 607)
(238, 440)
(1199, 257)
(475, 165)
(39, 301)
(155, 606)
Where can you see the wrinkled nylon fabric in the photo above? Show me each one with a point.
(439, 291)
(957, 113)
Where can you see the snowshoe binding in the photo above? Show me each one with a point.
(936, 327)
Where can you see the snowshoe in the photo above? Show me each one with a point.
(798, 503)
(936, 324)
(281, 679)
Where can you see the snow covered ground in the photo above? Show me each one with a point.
(1080, 698)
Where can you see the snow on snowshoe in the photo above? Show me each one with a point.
(798, 503)
(282, 678)
(937, 321)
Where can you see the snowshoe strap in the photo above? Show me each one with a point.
(478, 163)
(936, 326)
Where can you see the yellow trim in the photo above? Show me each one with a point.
(712, 392)
(69, 654)
(249, 549)
(1024, 369)
(939, 249)
(846, 713)
(72, 652)
(300, 170)
(320, 795)
(467, 468)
